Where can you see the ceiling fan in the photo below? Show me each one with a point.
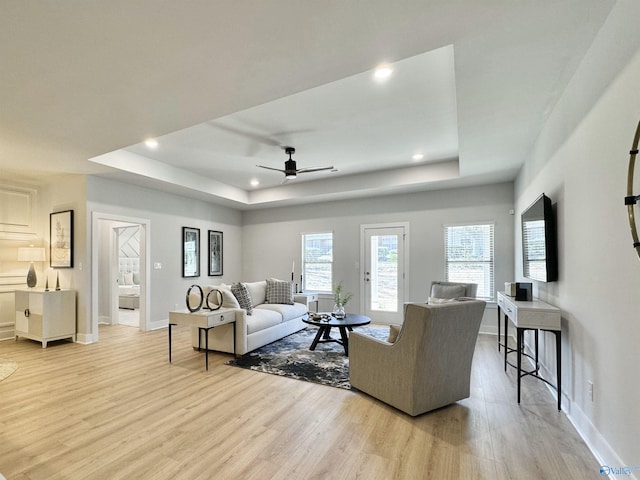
(290, 168)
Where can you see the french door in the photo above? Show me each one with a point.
(384, 262)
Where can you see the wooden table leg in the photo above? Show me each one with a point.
(323, 329)
(345, 340)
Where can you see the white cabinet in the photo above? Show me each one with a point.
(45, 316)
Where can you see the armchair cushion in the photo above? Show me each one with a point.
(448, 291)
(394, 330)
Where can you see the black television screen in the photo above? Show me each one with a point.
(539, 245)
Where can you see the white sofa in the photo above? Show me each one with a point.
(267, 322)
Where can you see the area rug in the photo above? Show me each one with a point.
(7, 368)
(291, 357)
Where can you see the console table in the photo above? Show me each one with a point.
(535, 315)
(205, 320)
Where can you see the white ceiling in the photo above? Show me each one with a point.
(223, 87)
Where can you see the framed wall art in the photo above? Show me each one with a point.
(215, 253)
(190, 252)
(61, 239)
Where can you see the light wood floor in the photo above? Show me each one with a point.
(118, 410)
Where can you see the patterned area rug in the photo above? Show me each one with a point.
(291, 357)
(7, 368)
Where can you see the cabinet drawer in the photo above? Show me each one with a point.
(221, 318)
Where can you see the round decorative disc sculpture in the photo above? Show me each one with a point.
(192, 310)
(217, 303)
(631, 200)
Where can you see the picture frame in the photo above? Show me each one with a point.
(190, 252)
(215, 253)
(61, 239)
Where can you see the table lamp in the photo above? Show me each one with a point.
(31, 254)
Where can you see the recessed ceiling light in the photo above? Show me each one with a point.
(382, 73)
(418, 156)
(151, 143)
(255, 182)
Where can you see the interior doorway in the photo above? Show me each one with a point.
(125, 279)
(384, 257)
(120, 271)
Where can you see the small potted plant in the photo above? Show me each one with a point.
(341, 299)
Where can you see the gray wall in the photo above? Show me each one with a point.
(167, 214)
(272, 237)
(580, 161)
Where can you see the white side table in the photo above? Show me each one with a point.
(205, 320)
(307, 298)
(535, 315)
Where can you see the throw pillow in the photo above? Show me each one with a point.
(279, 291)
(228, 298)
(448, 291)
(136, 278)
(242, 295)
(128, 278)
(394, 330)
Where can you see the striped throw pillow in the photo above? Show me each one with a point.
(241, 293)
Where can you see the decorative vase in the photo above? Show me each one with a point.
(338, 311)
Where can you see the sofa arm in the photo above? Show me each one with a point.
(241, 331)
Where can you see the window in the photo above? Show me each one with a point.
(317, 262)
(468, 251)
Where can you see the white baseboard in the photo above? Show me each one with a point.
(157, 325)
(84, 338)
(611, 465)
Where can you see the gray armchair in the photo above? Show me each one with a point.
(429, 364)
(444, 290)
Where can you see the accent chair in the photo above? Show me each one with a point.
(428, 366)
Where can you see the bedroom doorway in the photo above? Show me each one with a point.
(127, 275)
(120, 257)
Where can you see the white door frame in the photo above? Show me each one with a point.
(145, 267)
(407, 263)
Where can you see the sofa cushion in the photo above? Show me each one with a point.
(258, 291)
(262, 318)
(243, 296)
(279, 291)
(287, 312)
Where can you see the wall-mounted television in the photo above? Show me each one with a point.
(539, 243)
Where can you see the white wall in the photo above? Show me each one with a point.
(68, 192)
(272, 236)
(167, 214)
(580, 161)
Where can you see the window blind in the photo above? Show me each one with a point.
(317, 261)
(469, 256)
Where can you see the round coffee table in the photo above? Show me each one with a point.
(328, 321)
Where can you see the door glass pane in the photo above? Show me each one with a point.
(384, 273)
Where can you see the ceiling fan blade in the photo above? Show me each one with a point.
(314, 169)
(271, 168)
